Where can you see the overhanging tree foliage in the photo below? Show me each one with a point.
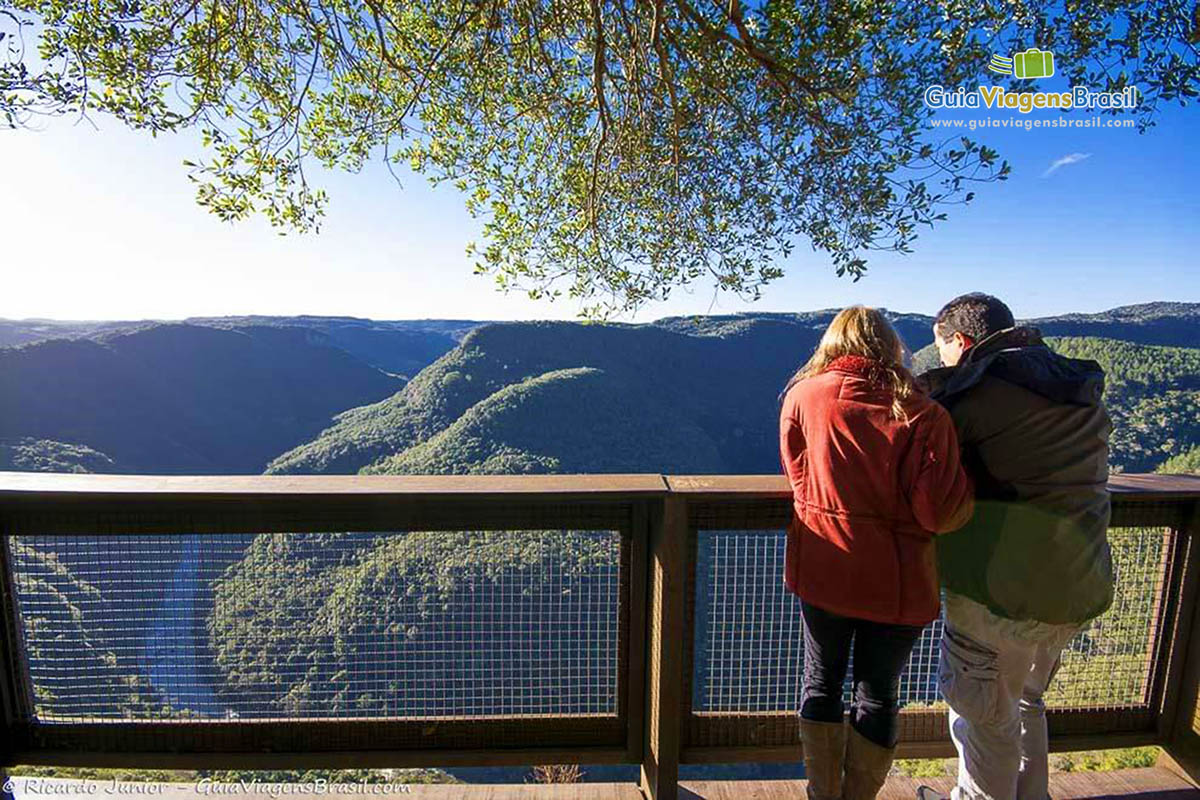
(615, 148)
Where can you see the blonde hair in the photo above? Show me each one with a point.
(862, 331)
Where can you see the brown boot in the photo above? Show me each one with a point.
(824, 751)
(867, 767)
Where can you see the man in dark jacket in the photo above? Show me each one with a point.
(1032, 567)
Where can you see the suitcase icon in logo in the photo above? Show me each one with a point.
(1033, 63)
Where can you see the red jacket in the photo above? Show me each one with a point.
(869, 492)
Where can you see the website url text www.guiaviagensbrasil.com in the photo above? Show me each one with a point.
(995, 97)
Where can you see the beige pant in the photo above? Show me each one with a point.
(993, 672)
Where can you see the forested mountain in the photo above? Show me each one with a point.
(176, 398)
(683, 395)
(1148, 323)
(713, 394)
(404, 347)
(541, 396)
(568, 420)
(27, 331)
(186, 397)
(915, 329)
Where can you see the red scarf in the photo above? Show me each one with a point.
(856, 365)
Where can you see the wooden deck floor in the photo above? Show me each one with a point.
(1142, 784)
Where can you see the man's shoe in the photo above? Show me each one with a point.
(925, 793)
(824, 751)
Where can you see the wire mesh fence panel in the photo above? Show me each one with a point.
(319, 625)
(748, 653)
(748, 645)
(1110, 663)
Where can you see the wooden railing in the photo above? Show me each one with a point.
(659, 520)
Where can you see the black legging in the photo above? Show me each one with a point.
(880, 654)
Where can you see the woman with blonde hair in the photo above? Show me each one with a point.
(875, 472)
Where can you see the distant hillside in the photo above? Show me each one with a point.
(15, 332)
(569, 420)
(491, 404)
(1149, 323)
(403, 347)
(407, 346)
(176, 398)
(915, 329)
(715, 393)
(309, 394)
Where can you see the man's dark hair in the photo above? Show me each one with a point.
(975, 315)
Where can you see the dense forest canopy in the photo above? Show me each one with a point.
(616, 149)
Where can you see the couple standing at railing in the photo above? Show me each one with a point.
(1003, 455)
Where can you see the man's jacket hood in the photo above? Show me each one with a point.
(1019, 356)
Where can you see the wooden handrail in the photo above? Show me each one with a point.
(16, 484)
(53, 484)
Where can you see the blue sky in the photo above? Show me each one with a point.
(102, 224)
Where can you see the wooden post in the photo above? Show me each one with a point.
(12, 673)
(667, 575)
(636, 631)
(1174, 607)
(1181, 711)
(9, 671)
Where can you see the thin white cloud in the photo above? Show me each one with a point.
(1068, 159)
